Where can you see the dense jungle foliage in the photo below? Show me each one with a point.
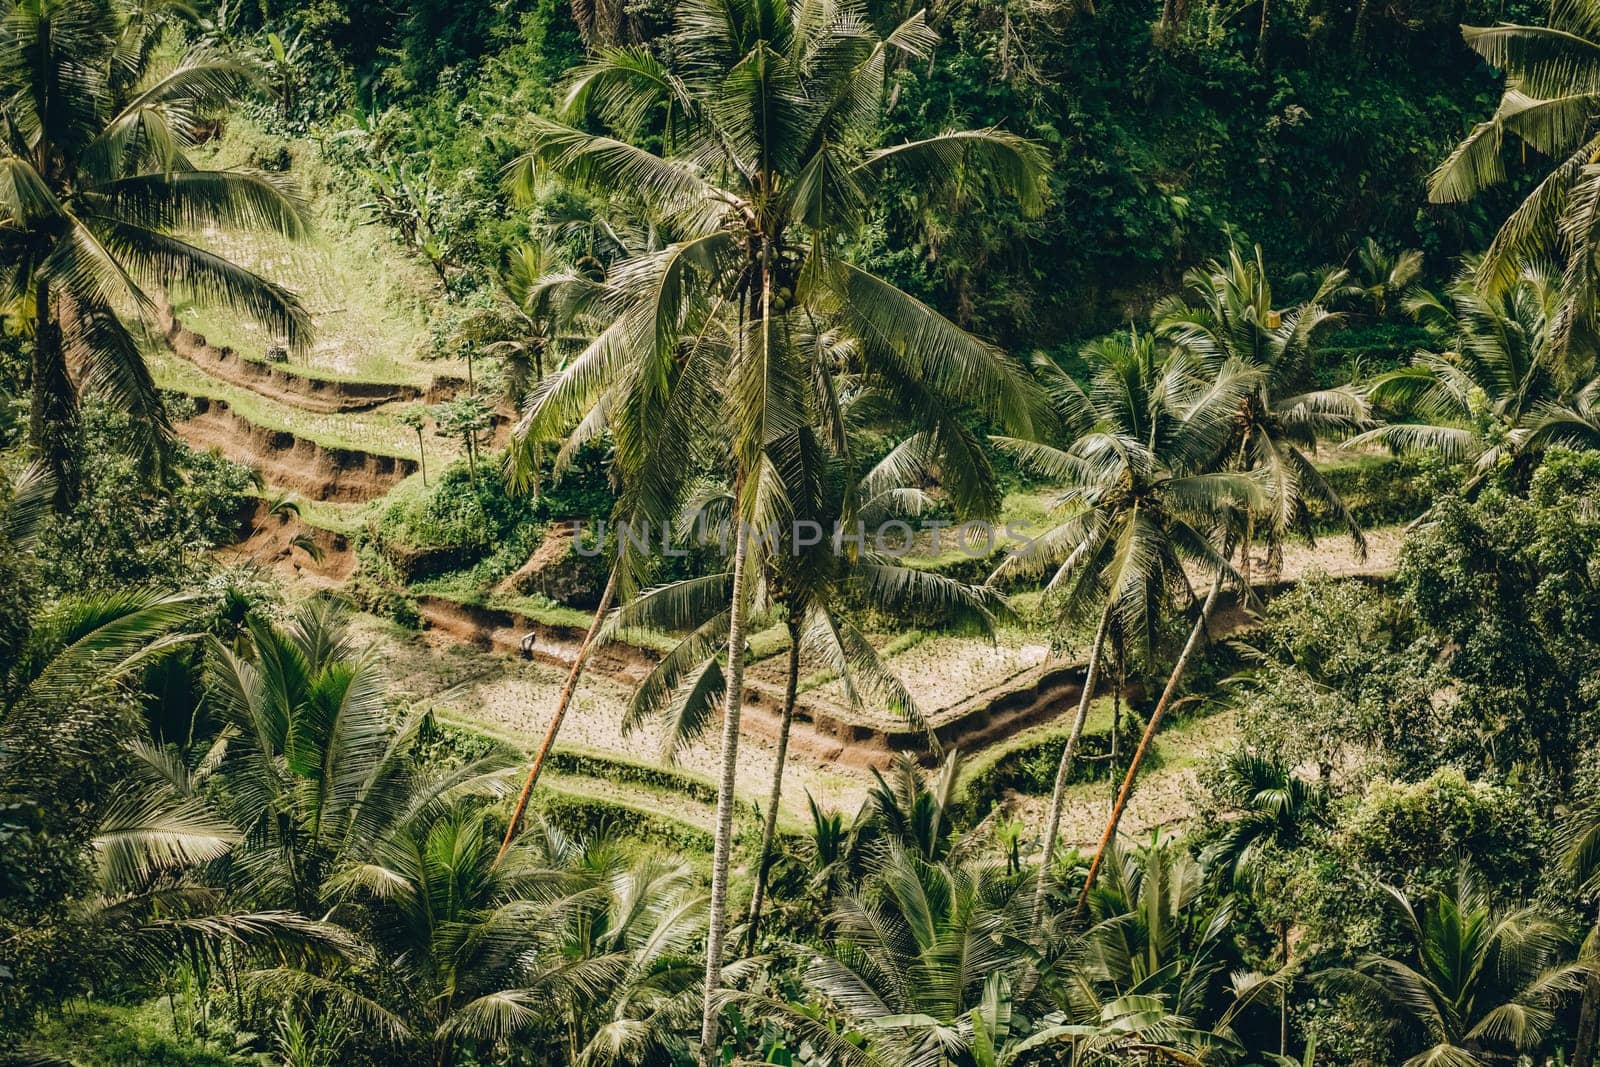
(1180, 288)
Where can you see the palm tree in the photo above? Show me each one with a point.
(766, 118)
(97, 188)
(1547, 105)
(925, 964)
(653, 411)
(310, 768)
(1141, 500)
(817, 583)
(151, 843)
(1228, 321)
(1494, 378)
(1270, 806)
(1481, 983)
(599, 943)
(1383, 279)
(1156, 939)
(1580, 840)
(913, 809)
(547, 301)
(1226, 315)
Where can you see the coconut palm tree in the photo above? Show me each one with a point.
(1227, 321)
(1481, 983)
(1226, 314)
(818, 582)
(653, 412)
(924, 964)
(1492, 380)
(1149, 978)
(767, 118)
(1580, 841)
(1547, 105)
(1382, 278)
(97, 195)
(309, 766)
(546, 299)
(151, 845)
(1269, 805)
(599, 943)
(1156, 934)
(1142, 498)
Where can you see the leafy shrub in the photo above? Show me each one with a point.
(128, 529)
(1385, 490)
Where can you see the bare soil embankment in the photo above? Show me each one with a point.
(320, 472)
(284, 540)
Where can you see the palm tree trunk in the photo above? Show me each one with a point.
(1246, 568)
(52, 408)
(770, 829)
(1144, 741)
(716, 927)
(560, 713)
(1283, 994)
(1588, 1023)
(1120, 667)
(1058, 796)
(1261, 36)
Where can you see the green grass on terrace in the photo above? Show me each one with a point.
(370, 303)
(368, 431)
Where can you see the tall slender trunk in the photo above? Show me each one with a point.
(1246, 567)
(1283, 994)
(1144, 741)
(560, 713)
(775, 797)
(52, 407)
(1588, 1022)
(716, 927)
(1261, 36)
(1058, 796)
(1119, 664)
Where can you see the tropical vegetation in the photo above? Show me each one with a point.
(986, 535)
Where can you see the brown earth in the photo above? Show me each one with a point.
(278, 539)
(501, 630)
(321, 472)
(558, 571)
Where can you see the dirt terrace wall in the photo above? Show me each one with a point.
(277, 381)
(321, 472)
(277, 539)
